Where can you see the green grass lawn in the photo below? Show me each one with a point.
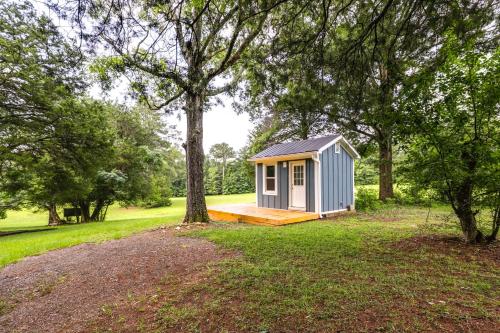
(120, 222)
(364, 273)
(387, 271)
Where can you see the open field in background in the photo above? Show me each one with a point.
(27, 219)
(120, 222)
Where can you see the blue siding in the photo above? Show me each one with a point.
(310, 203)
(336, 179)
(280, 200)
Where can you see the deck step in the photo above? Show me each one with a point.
(249, 213)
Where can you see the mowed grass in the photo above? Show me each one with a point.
(120, 222)
(360, 273)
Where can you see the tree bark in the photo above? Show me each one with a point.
(96, 213)
(467, 217)
(54, 218)
(196, 208)
(495, 225)
(385, 169)
(85, 207)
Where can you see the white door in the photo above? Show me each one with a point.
(298, 185)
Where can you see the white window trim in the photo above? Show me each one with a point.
(337, 148)
(264, 177)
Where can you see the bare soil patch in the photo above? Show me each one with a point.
(67, 290)
(452, 245)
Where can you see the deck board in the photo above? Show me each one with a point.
(249, 213)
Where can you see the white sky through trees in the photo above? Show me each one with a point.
(220, 123)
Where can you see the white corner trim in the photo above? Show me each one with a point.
(317, 183)
(256, 185)
(353, 187)
(350, 149)
(264, 166)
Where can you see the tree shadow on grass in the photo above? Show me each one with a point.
(15, 232)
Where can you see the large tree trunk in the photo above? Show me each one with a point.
(54, 218)
(85, 207)
(385, 169)
(469, 227)
(467, 217)
(196, 208)
(96, 214)
(495, 225)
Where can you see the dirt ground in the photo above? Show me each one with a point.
(65, 290)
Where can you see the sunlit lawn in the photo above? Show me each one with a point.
(377, 272)
(120, 222)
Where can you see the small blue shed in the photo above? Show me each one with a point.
(315, 175)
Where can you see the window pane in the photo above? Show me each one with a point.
(270, 171)
(298, 175)
(269, 184)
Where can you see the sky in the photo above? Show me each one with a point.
(221, 123)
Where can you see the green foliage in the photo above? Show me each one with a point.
(366, 170)
(222, 152)
(455, 131)
(213, 180)
(225, 174)
(237, 179)
(367, 199)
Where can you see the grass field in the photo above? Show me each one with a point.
(400, 269)
(389, 271)
(120, 222)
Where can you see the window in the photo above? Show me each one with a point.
(298, 175)
(337, 148)
(270, 179)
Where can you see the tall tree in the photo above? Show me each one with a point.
(453, 119)
(285, 96)
(171, 50)
(375, 56)
(360, 60)
(39, 74)
(222, 152)
(60, 168)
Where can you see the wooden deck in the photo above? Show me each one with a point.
(249, 213)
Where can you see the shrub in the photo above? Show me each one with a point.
(410, 195)
(367, 199)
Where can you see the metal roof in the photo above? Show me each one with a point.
(296, 147)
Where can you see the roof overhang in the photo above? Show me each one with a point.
(288, 157)
(347, 146)
(311, 154)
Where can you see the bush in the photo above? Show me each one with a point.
(367, 200)
(410, 195)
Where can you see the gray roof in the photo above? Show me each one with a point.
(296, 147)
